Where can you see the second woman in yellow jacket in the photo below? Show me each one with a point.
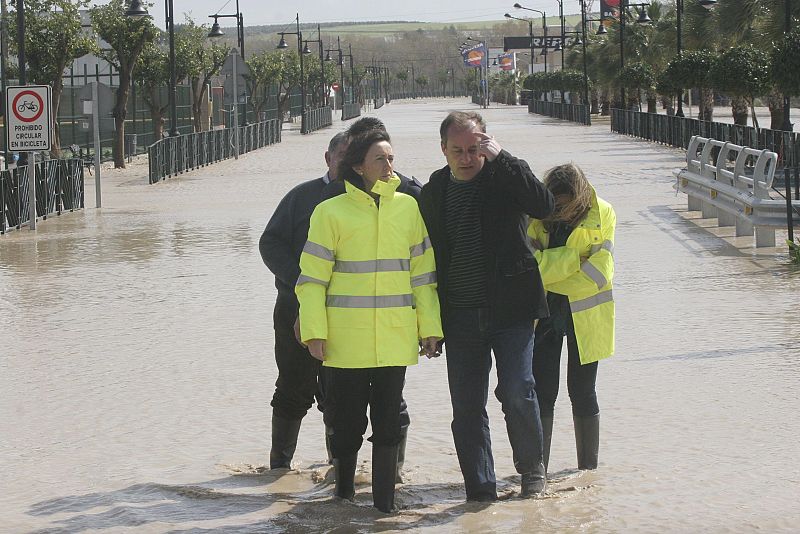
(367, 293)
(575, 251)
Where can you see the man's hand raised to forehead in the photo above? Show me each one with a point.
(488, 146)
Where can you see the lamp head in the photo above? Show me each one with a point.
(602, 29)
(215, 30)
(328, 56)
(306, 50)
(708, 4)
(518, 6)
(136, 10)
(282, 43)
(644, 18)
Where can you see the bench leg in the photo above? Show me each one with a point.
(765, 236)
(725, 219)
(743, 227)
(709, 211)
(695, 203)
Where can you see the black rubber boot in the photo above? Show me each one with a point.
(284, 441)
(535, 482)
(345, 469)
(384, 471)
(401, 454)
(547, 432)
(587, 440)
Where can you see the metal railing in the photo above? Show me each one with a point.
(174, 155)
(379, 102)
(317, 118)
(351, 111)
(558, 110)
(59, 188)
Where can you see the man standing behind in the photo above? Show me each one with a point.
(476, 210)
(281, 245)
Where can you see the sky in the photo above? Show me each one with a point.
(258, 12)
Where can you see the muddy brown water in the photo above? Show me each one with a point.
(136, 363)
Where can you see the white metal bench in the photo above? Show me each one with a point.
(732, 183)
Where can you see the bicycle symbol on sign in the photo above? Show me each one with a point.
(28, 105)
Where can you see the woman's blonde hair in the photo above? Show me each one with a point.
(568, 179)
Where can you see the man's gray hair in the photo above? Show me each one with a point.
(337, 140)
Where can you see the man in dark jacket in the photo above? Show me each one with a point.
(476, 209)
(281, 245)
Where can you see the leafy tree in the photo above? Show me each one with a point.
(743, 73)
(199, 62)
(691, 70)
(53, 40)
(127, 37)
(151, 75)
(637, 77)
(786, 64)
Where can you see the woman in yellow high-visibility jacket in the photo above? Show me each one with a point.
(574, 248)
(367, 293)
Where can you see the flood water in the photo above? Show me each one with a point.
(136, 362)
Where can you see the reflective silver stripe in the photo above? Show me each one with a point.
(371, 266)
(607, 244)
(318, 250)
(419, 250)
(591, 302)
(594, 273)
(422, 279)
(303, 279)
(386, 301)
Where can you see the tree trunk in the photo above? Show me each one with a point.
(55, 145)
(652, 103)
(157, 116)
(120, 112)
(775, 104)
(666, 103)
(739, 110)
(706, 104)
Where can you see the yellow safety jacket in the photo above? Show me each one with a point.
(368, 279)
(582, 270)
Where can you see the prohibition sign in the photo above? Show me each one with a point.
(38, 111)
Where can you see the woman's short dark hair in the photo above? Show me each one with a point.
(356, 152)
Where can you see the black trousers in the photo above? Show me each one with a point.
(349, 392)
(300, 381)
(297, 385)
(581, 379)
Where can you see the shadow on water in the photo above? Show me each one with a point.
(314, 510)
(308, 510)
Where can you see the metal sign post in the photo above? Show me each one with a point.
(29, 129)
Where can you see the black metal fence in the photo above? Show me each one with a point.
(677, 131)
(379, 102)
(174, 155)
(59, 188)
(317, 118)
(568, 112)
(351, 111)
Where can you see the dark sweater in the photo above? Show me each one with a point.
(512, 194)
(286, 233)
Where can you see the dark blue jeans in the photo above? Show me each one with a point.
(470, 340)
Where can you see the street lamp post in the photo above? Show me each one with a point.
(282, 44)
(137, 10)
(216, 31)
(338, 49)
(643, 19)
(323, 88)
(544, 31)
(352, 71)
(787, 29)
(530, 34)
